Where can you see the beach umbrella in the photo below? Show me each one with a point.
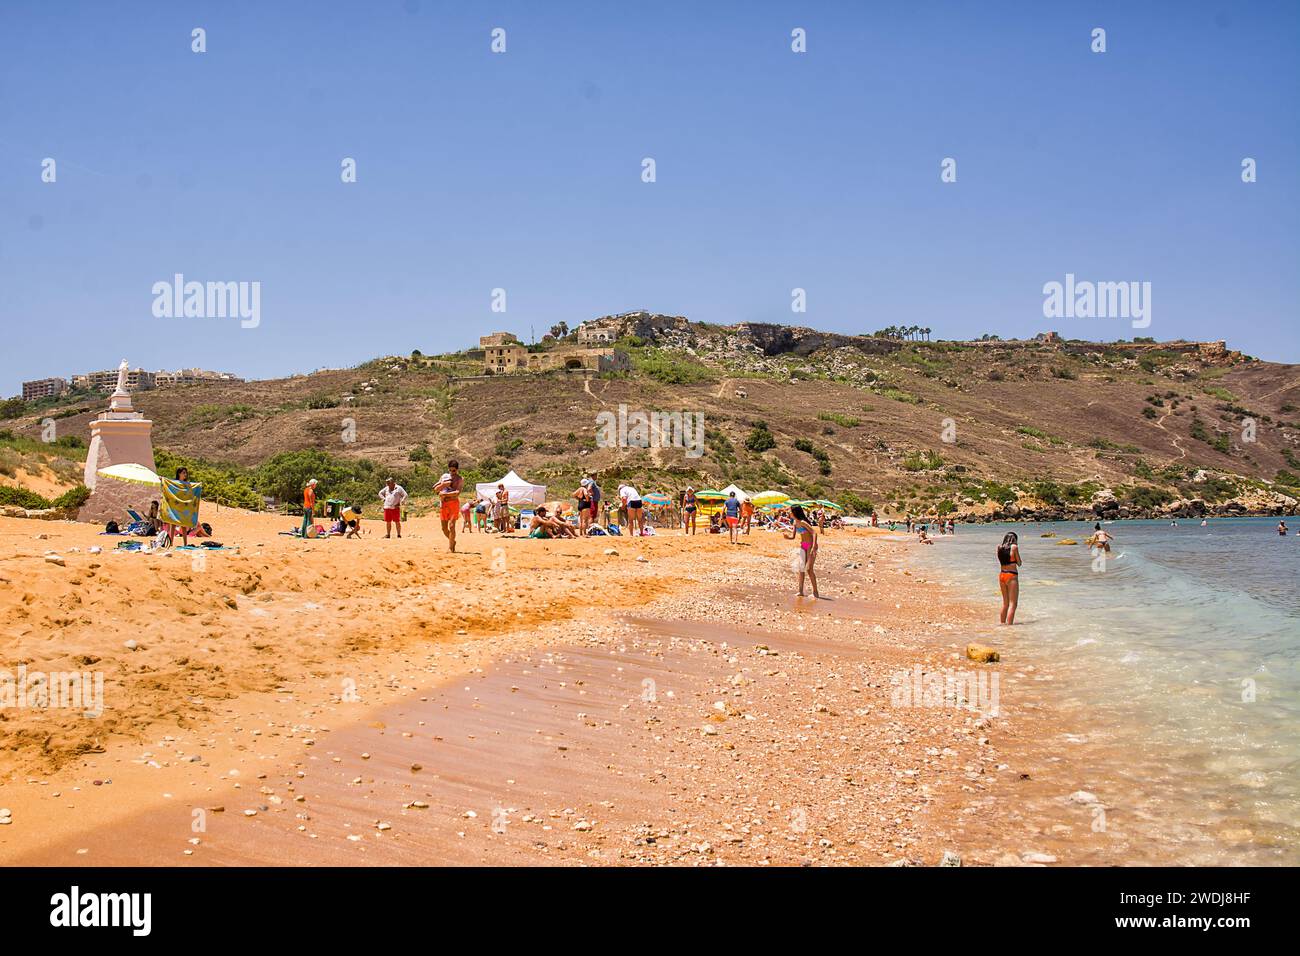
(710, 494)
(769, 498)
(137, 474)
(828, 504)
(656, 499)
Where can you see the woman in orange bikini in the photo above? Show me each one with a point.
(808, 544)
(1009, 576)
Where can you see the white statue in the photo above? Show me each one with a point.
(122, 371)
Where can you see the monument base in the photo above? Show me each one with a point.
(117, 437)
(111, 498)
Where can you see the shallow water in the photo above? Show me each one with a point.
(1181, 653)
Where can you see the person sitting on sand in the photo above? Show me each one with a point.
(448, 489)
(1009, 576)
(807, 534)
(543, 525)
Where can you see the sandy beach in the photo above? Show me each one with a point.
(383, 702)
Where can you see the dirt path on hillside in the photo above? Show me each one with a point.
(1160, 424)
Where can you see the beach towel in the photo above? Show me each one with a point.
(180, 502)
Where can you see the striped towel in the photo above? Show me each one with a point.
(180, 504)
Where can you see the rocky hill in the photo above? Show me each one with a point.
(980, 429)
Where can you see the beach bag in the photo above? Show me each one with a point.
(110, 528)
(613, 529)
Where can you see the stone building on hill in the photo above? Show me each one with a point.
(503, 353)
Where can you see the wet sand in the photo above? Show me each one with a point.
(690, 712)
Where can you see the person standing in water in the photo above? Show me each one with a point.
(1281, 528)
(802, 527)
(448, 489)
(1101, 539)
(1009, 576)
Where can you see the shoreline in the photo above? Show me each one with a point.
(806, 740)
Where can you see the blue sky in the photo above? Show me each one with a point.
(522, 171)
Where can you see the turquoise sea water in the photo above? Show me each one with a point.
(1182, 654)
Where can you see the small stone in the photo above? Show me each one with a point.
(55, 559)
(982, 653)
(611, 551)
(131, 644)
(950, 859)
(1038, 858)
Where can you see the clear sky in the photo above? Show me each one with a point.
(522, 171)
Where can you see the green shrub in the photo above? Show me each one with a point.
(844, 421)
(671, 368)
(760, 439)
(73, 498)
(22, 498)
(922, 461)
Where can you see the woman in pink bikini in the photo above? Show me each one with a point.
(807, 543)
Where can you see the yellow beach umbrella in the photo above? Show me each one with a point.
(769, 498)
(137, 474)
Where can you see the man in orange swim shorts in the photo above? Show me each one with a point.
(448, 489)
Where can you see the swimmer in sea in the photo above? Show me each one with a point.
(1009, 576)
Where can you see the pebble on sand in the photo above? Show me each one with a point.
(982, 653)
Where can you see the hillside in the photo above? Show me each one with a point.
(1055, 428)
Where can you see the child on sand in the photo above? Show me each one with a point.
(448, 489)
(808, 545)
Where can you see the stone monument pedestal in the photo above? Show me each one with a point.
(118, 436)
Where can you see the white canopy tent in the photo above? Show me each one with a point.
(521, 492)
(742, 495)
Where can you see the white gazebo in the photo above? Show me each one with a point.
(521, 492)
(740, 493)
